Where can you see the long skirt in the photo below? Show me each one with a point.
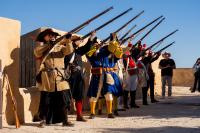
(52, 105)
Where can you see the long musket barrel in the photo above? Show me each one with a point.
(125, 25)
(75, 30)
(150, 31)
(78, 28)
(126, 34)
(165, 47)
(126, 39)
(160, 40)
(108, 22)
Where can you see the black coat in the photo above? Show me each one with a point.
(76, 79)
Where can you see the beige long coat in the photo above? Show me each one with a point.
(50, 77)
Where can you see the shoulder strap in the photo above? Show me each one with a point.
(72, 58)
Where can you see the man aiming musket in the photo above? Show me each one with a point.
(48, 36)
(73, 63)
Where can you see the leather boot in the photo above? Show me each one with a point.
(133, 97)
(144, 96)
(65, 121)
(125, 99)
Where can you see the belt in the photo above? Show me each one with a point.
(99, 70)
(52, 69)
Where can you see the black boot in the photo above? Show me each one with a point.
(36, 118)
(144, 96)
(125, 100)
(195, 84)
(111, 116)
(100, 112)
(92, 116)
(65, 121)
(116, 113)
(42, 123)
(133, 97)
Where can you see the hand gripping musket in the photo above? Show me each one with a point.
(85, 36)
(14, 104)
(126, 34)
(159, 51)
(126, 39)
(123, 26)
(150, 47)
(80, 27)
(90, 53)
(150, 31)
(126, 24)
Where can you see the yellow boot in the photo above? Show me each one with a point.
(115, 103)
(92, 109)
(109, 109)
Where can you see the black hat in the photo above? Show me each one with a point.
(42, 34)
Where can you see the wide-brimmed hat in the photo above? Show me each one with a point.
(166, 54)
(42, 34)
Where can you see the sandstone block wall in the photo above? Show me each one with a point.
(183, 77)
(9, 40)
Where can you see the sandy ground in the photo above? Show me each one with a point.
(181, 114)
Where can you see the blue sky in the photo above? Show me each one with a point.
(67, 14)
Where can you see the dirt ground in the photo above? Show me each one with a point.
(179, 114)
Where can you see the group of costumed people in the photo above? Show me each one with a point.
(116, 71)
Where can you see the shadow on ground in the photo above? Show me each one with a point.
(179, 106)
(169, 129)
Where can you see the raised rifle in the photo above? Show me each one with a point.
(123, 26)
(159, 51)
(160, 40)
(80, 27)
(126, 39)
(108, 22)
(126, 34)
(149, 31)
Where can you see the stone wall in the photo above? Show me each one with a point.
(9, 40)
(183, 77)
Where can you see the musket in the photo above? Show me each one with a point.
(159, 51)
(150, 31)
(160, 40)
(108, 22)
(123, 26)
(78, 28)
(126, 39)
(14, 104)
(126, 34)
